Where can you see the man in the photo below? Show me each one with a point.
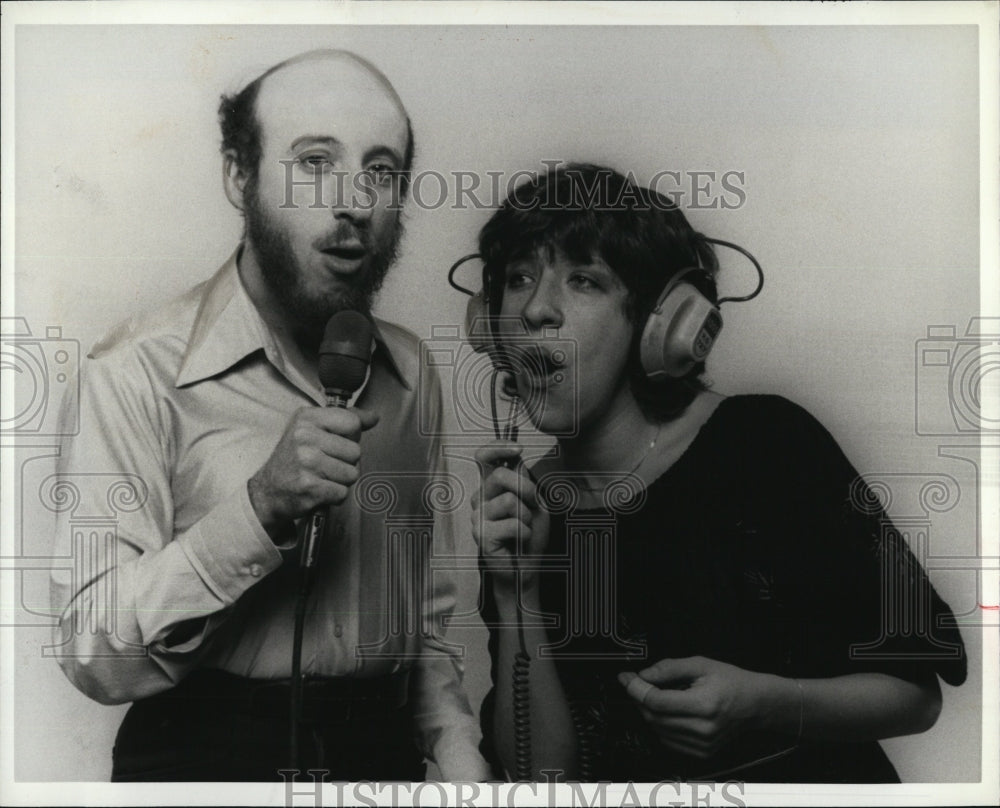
(208, 416)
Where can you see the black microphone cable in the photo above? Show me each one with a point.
(344, 355)
(520, 675)
(520, 679)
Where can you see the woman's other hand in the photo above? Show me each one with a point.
(696, 705)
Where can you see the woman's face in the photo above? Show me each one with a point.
(565, 331)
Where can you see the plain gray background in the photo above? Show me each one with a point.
(860, 152)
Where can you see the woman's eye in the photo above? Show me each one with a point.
(583, 282)
(518, 280)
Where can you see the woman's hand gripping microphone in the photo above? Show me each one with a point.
(508, 523)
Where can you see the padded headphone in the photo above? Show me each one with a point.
(682, 327)
(679, 332)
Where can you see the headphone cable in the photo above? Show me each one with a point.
(756, 264)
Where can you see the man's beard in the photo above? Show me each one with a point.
(286, 278)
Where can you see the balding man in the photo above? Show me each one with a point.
(209, 412)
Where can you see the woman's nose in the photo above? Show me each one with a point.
(543, 308)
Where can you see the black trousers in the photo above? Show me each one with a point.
(193, 733)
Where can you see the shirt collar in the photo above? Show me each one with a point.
(228, 328)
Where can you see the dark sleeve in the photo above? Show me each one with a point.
(868, 603)
(488, 612)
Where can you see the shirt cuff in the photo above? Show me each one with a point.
(230, 548)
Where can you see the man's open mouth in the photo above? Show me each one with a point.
(346, 253)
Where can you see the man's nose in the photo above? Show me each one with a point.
(355, 198)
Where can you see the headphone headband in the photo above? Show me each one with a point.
(681, 277)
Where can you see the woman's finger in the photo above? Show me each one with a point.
(683, 747)
(497, 452)
(660, 700)
(506, 505)
(681, 727)
(502, 480)
(506, 533)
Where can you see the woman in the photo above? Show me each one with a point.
(744, 569)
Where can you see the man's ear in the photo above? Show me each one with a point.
(234, 179)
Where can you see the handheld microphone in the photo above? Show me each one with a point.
(344, 354)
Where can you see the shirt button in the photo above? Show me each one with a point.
(338, 631)
(255, 570)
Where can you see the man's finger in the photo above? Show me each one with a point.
(368, 417)
(338, 421)
(340, 448)
(337, 471)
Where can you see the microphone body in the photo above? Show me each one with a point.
(312, 534)
(343, 364)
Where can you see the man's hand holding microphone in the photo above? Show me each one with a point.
(316, 460)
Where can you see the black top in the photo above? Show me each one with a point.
(759, 547)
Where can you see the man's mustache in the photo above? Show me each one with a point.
(347, 236)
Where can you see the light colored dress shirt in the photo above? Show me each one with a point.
(172, 570)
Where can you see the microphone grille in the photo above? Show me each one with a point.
(344, 352)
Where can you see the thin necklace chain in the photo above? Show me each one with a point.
(635, 468)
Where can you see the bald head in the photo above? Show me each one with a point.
(341, 78)
(342, 62)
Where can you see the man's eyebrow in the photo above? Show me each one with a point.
(383, 151)
(324, 140)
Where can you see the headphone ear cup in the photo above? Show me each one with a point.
(477, 324)
(679, 332)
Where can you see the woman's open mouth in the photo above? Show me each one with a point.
(537, 363)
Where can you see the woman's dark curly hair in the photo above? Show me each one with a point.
(585, 212)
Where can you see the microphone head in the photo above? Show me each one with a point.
(345, 352)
